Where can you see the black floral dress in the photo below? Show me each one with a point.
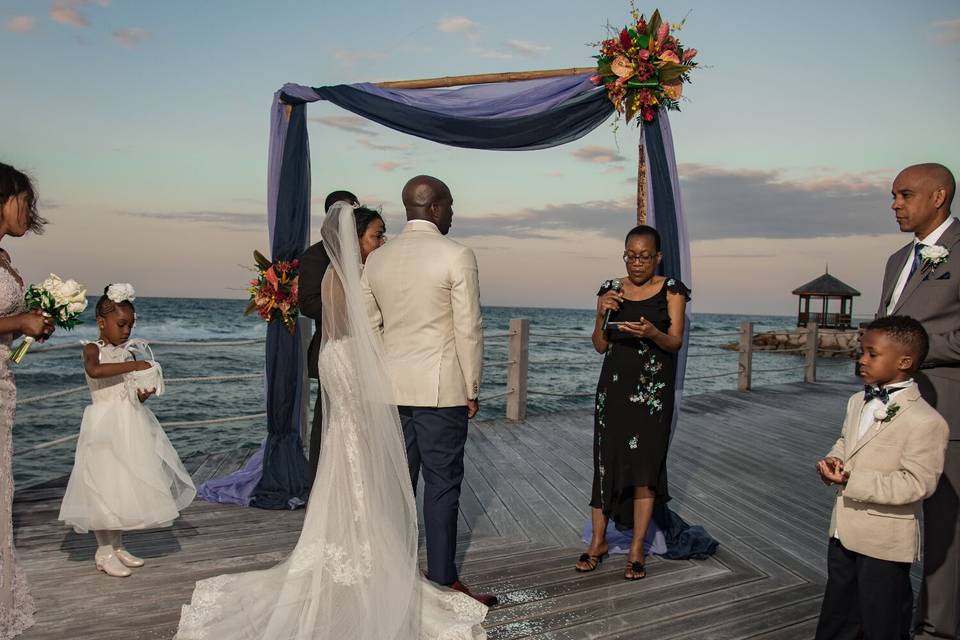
(634, 409)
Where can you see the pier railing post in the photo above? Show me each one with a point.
(745, 368)
(813, 345)
(517, 365)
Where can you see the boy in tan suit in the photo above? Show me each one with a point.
(887, 461)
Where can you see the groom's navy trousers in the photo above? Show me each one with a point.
(435, 439)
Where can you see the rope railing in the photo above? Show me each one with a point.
(166, 425)
(715, 375)
(65, 392)
(162, 343)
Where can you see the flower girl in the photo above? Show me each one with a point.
(126, 474)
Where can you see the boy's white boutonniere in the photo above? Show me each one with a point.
(887, 413)
(934, 255)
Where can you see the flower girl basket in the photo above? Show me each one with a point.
(149, 379)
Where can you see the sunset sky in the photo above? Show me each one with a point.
(145, 125)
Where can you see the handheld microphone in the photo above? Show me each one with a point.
(616, 286)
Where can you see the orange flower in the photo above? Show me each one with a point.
(673, 90)
(622, 67)
(669, 56)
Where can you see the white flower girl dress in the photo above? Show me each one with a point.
(126, 474)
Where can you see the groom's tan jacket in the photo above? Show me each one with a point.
(893, 468)
(422, 294)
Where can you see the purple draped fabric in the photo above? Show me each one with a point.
(496, 100)
(237, 487)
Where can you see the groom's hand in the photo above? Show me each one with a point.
(472, 407)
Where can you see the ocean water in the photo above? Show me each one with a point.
(562, 364)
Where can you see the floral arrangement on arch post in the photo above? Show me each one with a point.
(274, 293)
(644, 67)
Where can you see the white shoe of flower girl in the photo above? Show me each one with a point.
(128, 558)
(110, 564)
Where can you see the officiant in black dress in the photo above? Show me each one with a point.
(635, 396)
(313, 266)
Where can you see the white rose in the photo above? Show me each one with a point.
(52, 284)
(934, 253)
(121, 292)
(77, 307)
(880, 414)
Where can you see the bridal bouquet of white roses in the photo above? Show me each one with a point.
(63, 301)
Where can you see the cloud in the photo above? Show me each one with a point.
(524, 48)
(383, 147)
(21, 24)
(458, 24)
(947, 31)
(230, 219)
(724, 203)
(389, 165)
(719, 204)
(597, 154)
(353, 124)
(131, 36)
(68, 11)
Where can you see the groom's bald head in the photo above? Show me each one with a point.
(428, 198)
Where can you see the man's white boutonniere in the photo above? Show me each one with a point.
(887, 413)
(934, 255)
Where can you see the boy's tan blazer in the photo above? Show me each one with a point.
(893, 468)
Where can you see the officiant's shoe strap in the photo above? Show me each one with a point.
(635, 571)
(587, 563)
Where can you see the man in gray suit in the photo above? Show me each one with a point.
(922, 280)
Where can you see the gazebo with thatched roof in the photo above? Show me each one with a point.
(825, 288)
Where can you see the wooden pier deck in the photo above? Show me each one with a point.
(741, 465)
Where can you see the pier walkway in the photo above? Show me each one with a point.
(741, 465)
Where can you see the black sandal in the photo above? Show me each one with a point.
(592, 561)
(638, 570)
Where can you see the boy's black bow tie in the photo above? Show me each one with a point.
(880, 393)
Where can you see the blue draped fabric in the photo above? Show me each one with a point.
(285, 481)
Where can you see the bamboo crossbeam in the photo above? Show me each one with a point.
(483, 78)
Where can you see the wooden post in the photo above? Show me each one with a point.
(746, 356)
(517, 367)
(810, 369)
(305, 327)
(642, 183)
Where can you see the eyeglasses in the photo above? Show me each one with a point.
(644, 257)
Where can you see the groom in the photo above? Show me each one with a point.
(922, 280)
(423, 295)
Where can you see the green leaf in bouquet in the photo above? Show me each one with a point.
(643, 40)
(654, 24)
(646, 84)
(261, 260)
(604, 69)
(672, 71)
(251, 307)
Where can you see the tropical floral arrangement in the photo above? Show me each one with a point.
(644, 67)
(274, 293)
(62, 301)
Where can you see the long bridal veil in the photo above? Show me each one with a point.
(353, 573)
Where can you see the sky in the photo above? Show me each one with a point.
(145, 127)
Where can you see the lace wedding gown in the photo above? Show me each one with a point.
(354, 572)
(16, 604)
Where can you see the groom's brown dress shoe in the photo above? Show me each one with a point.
(487, 599)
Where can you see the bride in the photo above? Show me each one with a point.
(353, 573)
